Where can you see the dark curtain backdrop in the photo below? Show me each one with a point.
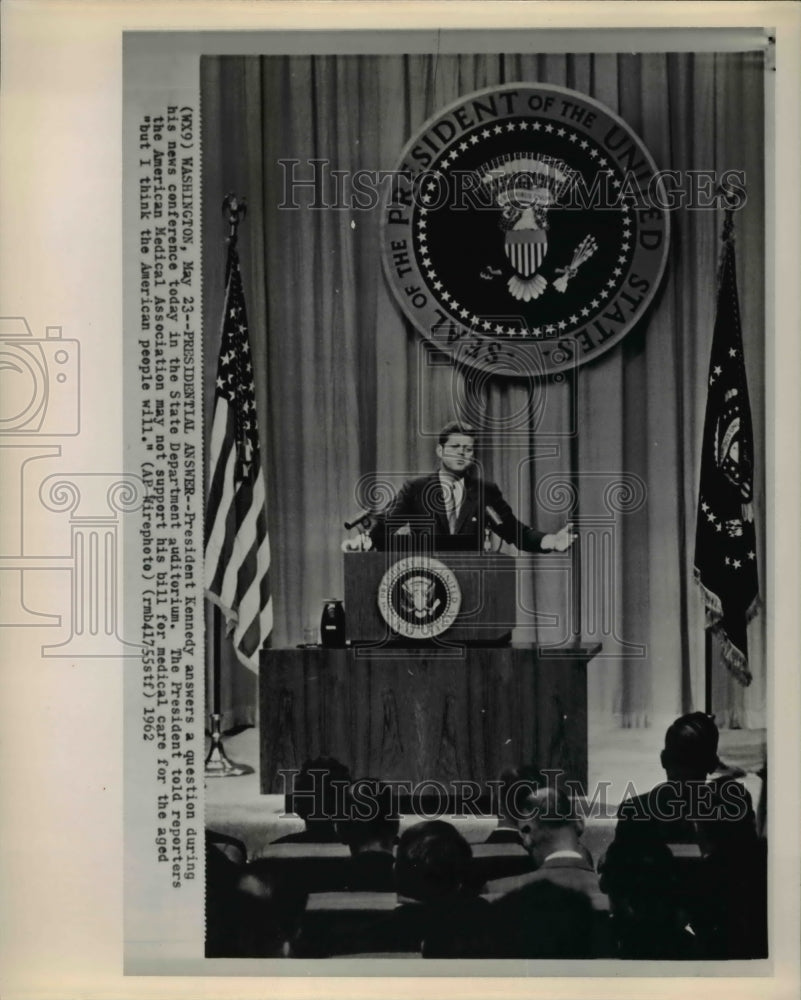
(345, 387)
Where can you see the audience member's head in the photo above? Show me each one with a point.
(231, 847)
(691, 748)
(222, 874)
(318, 794)
(549, 821)
(514, 787)
(372, 822)
(269, 907)
(432, 861)
(641, 882)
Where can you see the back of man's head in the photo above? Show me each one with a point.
(691, 747)
(514, 785)
(549, 821)
(432, 861)
(638, 870)
(269, 908)
(318, 792)
(372, 822)
(640, 878)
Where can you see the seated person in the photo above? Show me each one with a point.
(648, 919)
(266, 912)
(225, 860)
(511, 785)
(318, 793)
(233, 848)
(371, 832)
(723, 892)
(438, 915)
(559, 910)
(519, 797)
(453, 506)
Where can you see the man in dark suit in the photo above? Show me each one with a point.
(706, 821)
(559, 910)
(515, 785)
(439, 913)
(317, 794)
(514, 782)
(371, 832)
(453, 506)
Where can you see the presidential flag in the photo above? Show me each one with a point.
(237, 554)
(725, 539)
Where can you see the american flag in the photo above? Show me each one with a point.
(725, 539)
(237, 546)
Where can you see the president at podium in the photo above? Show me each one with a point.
(454, 508)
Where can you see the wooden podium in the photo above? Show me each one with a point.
(462, 706)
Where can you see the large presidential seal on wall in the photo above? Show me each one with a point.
(525, 229)
(419, 597)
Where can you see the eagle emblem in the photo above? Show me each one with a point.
(524, 186)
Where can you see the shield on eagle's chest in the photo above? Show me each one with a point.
(526, 250)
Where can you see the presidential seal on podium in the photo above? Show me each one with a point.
(419, 597)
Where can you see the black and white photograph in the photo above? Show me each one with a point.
(399, 562)
(484, 371)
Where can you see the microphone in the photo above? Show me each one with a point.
(493, 515)
(362, 519)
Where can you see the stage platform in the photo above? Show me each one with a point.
(626, 760)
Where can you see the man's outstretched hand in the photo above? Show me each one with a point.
(559, 542)
(361, 543)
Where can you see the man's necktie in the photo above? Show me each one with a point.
(453, 508)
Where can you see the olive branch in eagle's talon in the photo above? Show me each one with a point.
(583, 252)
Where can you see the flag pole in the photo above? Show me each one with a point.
(218, 763)
(575, 514)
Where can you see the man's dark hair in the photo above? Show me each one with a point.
(551, 803)
(638, 869)
(318, 789)
(514, 787)
(649, 908)
(269, 909)
(546, 794)
(371, 814)
(455, 427)
(432, 861)
(691, 743)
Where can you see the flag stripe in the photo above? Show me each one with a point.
(219, 547)
(256, 597)
(250, 573)
(240, 572)
(241, 524)
(220, 475)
